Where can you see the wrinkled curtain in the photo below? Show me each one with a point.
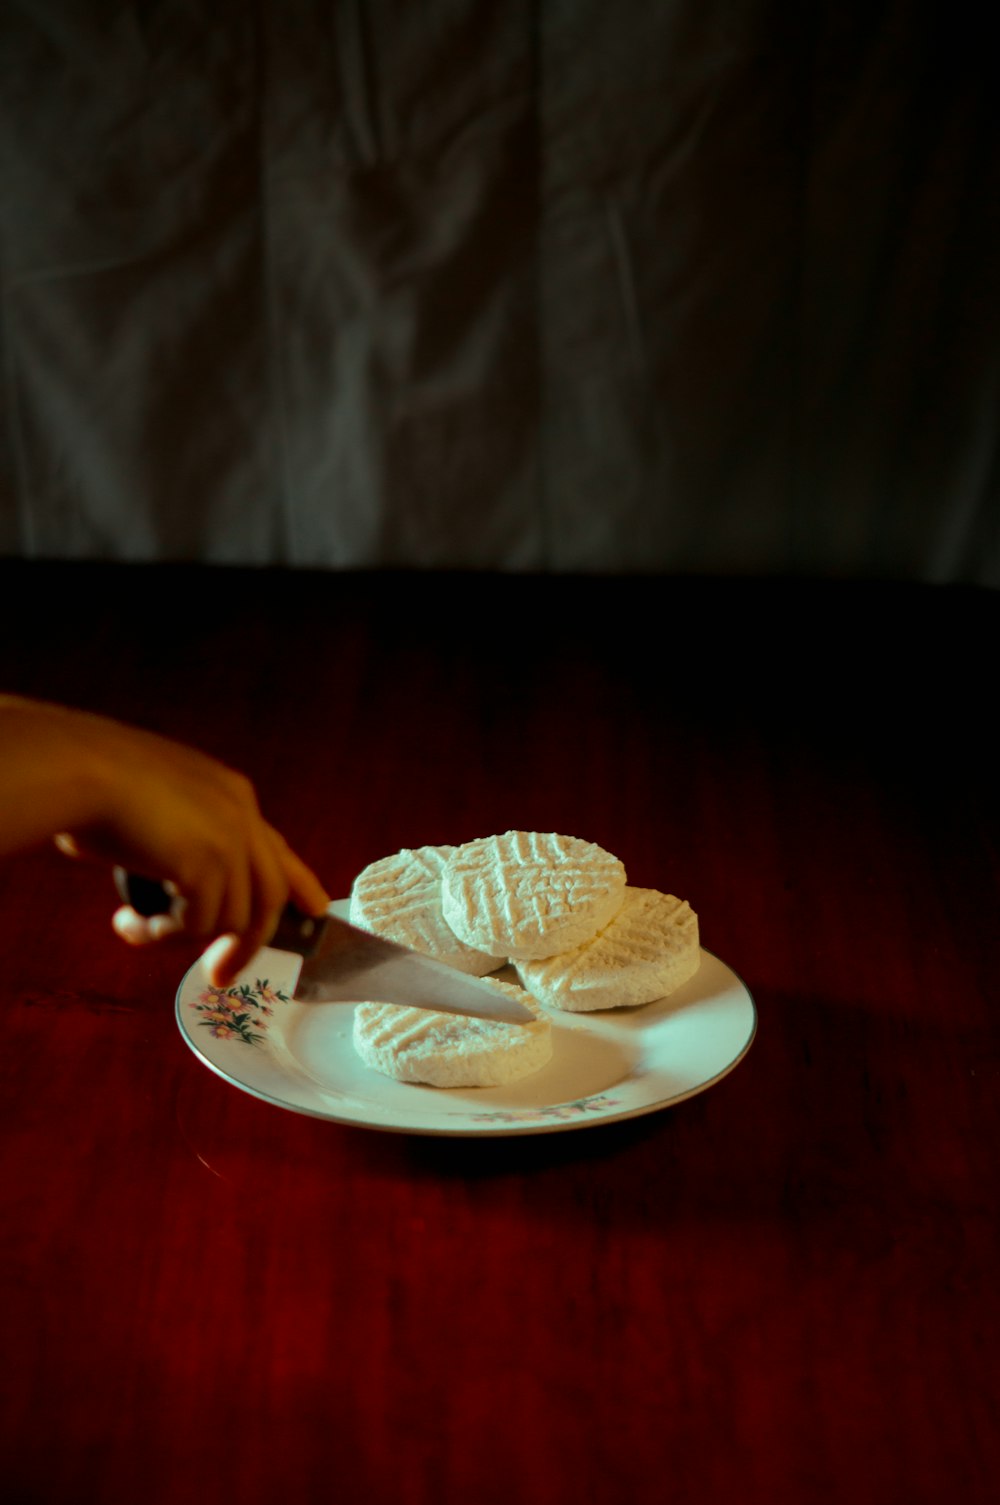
(673, 285)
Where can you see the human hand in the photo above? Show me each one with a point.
(114, 794)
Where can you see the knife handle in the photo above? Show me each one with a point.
(149, 897)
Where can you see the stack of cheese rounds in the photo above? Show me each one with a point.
(556, 907)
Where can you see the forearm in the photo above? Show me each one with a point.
(51, 773)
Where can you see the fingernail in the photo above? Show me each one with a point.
(130, 926)
(216, 956)
(162, 925)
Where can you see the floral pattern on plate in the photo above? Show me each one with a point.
(238, 1013)
(598, 1103)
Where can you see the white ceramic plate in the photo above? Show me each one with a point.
(605, 1066)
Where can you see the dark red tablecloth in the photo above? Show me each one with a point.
(782, 1289)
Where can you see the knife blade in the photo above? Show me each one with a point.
(341, 963)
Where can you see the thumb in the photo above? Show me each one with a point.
(84, 849)
(69, 846)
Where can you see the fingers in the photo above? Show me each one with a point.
(224, 959)
(138, 930)
(250, 920)
(235, 903)
(176, 815)
(304, 889)
(92, 847)
(169, 812)
(278, 877)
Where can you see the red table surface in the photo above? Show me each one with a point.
(782, 1289)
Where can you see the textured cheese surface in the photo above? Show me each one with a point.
(529, 893)
(449, 1050)
(399, 897)
(648, 950)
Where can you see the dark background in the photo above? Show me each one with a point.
(507, 285)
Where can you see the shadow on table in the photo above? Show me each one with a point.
(836, 1104)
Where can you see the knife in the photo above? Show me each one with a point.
(345, 964)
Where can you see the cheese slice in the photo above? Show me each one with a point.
(450, 1050)
(530, 894)
(399, 897)
(647, 951)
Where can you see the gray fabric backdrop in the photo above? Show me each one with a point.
(680, 285)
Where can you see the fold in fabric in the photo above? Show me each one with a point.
(512, 285)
